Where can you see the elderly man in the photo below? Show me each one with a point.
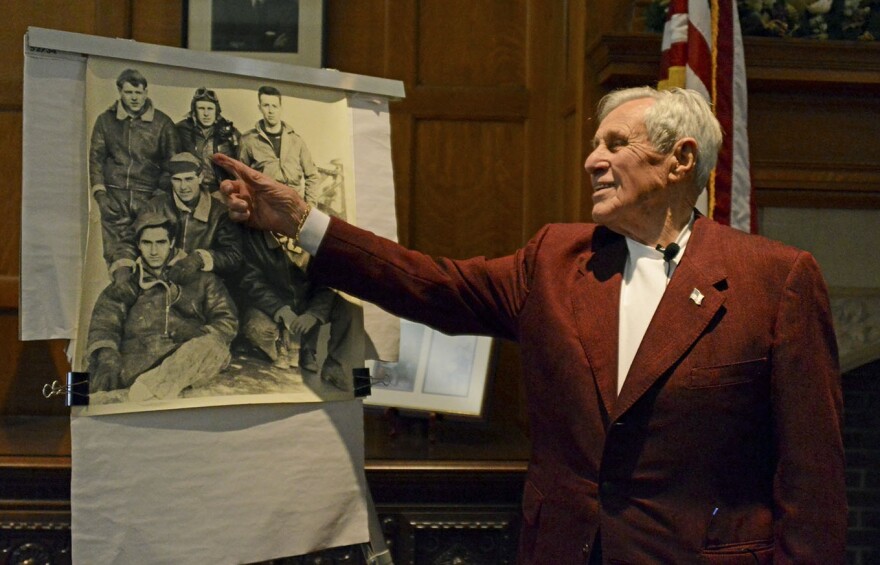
(205, 131)
(161, 337)
(211, 242)
(274, 149)
(683, 387)
(131, 142)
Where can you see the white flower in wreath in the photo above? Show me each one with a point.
(820, 7)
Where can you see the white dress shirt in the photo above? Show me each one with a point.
(645, 278)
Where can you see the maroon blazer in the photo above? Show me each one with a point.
(724, 445)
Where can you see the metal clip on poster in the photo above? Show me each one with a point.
(76, 391)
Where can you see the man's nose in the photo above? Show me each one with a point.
(595, 162)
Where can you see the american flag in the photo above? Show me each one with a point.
(702, 50)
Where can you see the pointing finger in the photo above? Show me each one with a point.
(232, 166)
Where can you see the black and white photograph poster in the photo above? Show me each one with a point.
(180, 306)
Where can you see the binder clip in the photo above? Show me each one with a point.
(362, 382)
(76, 391)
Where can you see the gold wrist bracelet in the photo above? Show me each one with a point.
(302, 222)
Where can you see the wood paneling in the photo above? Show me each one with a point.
(26, 367)
(470, 185)
(355, 37)
(461, 42)
(10, 140)
(157, 21)
(98, 17)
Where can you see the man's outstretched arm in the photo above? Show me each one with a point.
(475, 296)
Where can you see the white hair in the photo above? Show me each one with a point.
(675, 114)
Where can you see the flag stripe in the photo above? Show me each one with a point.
(702, 50)
(744, 214)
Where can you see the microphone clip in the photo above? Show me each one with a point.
(669, 252)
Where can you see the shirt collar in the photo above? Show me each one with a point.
(202, 209)
(146, 115)
(639, 250)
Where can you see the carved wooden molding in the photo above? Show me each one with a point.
(856, 315)
(816, 185)
(441, 535)
(629, 59)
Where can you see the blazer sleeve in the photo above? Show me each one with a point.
(473, 296)
(809, 483)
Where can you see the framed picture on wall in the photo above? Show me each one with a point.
(435, 373)
(283, 31)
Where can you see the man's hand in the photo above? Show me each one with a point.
(303, 324)
(285, 315)
(184, 270)
(258, 200)
(122, 288)
(186, 330)
(106, 370)
(296, 325)
(103, 200)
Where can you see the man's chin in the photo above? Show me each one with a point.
(601, 214)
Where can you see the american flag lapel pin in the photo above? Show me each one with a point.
(697, 297)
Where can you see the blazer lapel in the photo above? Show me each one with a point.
(596, 300)
(691, 301)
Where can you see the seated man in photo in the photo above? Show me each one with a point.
(285, 311)
(159, 337)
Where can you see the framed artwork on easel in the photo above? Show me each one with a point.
(435, 373)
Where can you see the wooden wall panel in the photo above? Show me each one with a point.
(470, 184)
(813, 149)
(97, 17)
(797, 125)
(157, 21)
(573, 172)
(571, 111)
(462, 42)
(10, 140)
(546, 197)
(355, 37)
(24, 368)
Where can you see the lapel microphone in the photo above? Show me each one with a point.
(669, 252)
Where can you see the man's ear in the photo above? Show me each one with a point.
(684, 159)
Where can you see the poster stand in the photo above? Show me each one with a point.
(77, 47)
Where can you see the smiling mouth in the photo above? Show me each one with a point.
(602, 186)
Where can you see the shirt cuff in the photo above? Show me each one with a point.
(313, 231)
